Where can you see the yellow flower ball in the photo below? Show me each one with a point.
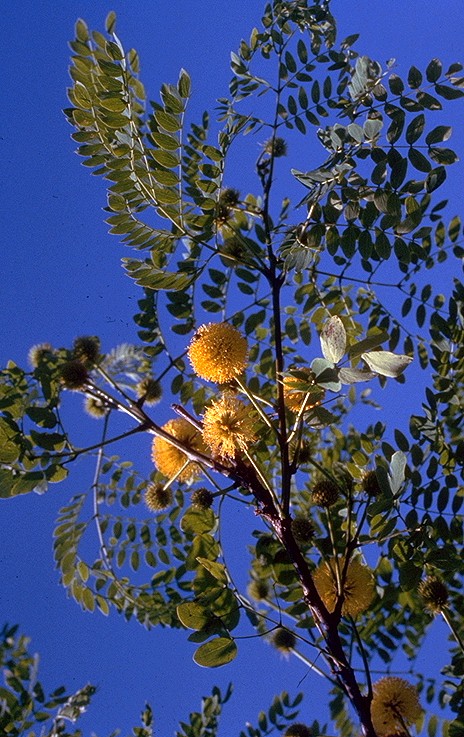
(218, 352)
(168, 459)
(228, 427)
(296, 389)
(395, 705)
(358, 586)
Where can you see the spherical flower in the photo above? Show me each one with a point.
(95, 408)
(434, 592)
(149, 390)
(395, 705)
(325, 493)
(157, 497)
(218, 352)
(370, 484)
(358, 586)
(302, 529)
(258, 590)
(86, 349)
(202, 498)
(229, 197)
(228, 426)
(296, 389)
(276, 147)
(39, 353)
(298, 729)
(283, 639)
(168, 459)
(74, 375)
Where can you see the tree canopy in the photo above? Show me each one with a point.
(270, 321)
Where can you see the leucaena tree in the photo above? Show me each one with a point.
(267, 319)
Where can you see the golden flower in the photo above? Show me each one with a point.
(149, 390)
(297, 387)
(395, 706)
(218, 352)
(227, 426)
(358, 586)
(168, 459)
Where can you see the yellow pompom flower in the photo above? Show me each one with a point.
(168, 459)
(395, 706)
(296, 388)
(218, 352)
(358, 586)
(228, 427)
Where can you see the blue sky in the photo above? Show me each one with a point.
(61, 277)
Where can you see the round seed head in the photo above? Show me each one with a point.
(303, 529)
(325, 493)
(150, 390)
(87, 349)
(298, 729)
(39, 353)
(258, 590)
(74, 375)
(276, 147)
(434, 592)
(95, 408)
(157, 497)
(283, 640)
(202, 498)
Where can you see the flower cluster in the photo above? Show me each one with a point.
(395, 706)
(357, 586)
(170, 460)
(228, 426)
(218, 352)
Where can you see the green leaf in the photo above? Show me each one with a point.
(198, 521)
(216, 652)
(216, 569)
(386, 363)
(193, 615)
(9, 450)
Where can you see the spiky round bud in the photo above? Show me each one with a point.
(202, 498)
(39, 353)
(434, 592)
(95, 408)
(229, 197)
(370, 484)
(150, 390)
(325, 493)
(298, 729)
(86, 349)
(302, 529)
(157, 497)
(283, 639)
(74, 375)
(276, 147)
(258, 590)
